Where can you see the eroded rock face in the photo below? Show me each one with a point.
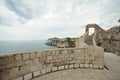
(61, 42)
(110, 41)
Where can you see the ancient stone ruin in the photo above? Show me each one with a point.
(110, 41)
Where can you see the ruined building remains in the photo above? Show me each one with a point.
(110, 41)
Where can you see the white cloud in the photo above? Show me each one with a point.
(50, 18)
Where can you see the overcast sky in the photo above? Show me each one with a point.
(42, 19)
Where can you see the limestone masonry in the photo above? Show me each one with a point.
(28, 65)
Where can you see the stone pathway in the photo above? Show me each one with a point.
(111, 60)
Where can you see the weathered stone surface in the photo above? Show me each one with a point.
(76, 65)
(86, 65)
(38, 54)
(28, 62)
(48, 69)
(61, 56)
(32, 55)
(19, 63)
(18, 57)
(36, 73)
(10, 65)
(2, 67)
(61, 67)
(49, 58)
(7, 59)
(71, 66)
(36, 61)
(20, 78)
(28, 76)
(24, 69)
(65, 52)
(25, 56)
(43, 71)
(81, 65)
(54, 68)
(66, 66)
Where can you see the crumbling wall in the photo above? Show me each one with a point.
(110, 41)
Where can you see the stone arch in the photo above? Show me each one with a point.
(95, 26)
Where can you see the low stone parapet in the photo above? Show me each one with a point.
(28, 65)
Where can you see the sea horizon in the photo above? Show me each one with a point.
(16, 46)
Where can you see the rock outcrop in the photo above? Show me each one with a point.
(61, 42)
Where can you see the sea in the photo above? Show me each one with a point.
(7, 47)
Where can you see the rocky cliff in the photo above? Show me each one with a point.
(61, 42)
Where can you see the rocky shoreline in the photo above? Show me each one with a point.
(61, 42)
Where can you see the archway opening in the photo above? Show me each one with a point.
(91, 31)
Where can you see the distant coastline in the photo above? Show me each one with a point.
(21, 46)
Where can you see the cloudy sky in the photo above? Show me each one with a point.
(42, 19)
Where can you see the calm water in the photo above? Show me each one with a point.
(18, 46)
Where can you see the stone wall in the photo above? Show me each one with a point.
(28, 65)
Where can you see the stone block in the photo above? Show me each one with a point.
(2, 67)
(66, 66)
(71, 66)
(72, 55)
(69, 59)
(95, 66)
(38, 54)
(34, 68)
(28, 76)
(36, 61)
(7, 59)
(72, 62)
(53, 53)
(91, 65)
(76, 65)
(28, 62)
(61, 67)
(49, 58)
(86, 65)
(20, 78)
(19, 63)
(10, 65)
(25, 69)
(43, 71)
(61, 56)
(36, 73)
(43, 53)
(49, 65)
(18, 57)
(55, 57)
(32, 55)
(57, 52)
(81, 65)
(54, 68)
(64, 52)
(5, 75)
(14, 70)
(48, 70)
(13, 73)
(25, 56)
